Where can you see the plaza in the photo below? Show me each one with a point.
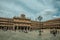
(33, 35)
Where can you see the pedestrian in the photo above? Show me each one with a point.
(40, 31)
(54, 32)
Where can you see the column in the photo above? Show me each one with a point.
(6, 28)
(13, 27)
(17, 27)
(27, 28)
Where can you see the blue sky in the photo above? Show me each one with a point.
(48, 9)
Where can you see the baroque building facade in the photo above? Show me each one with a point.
(23, 23)
(15, 23)
(50, 24)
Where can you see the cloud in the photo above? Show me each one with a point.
(48, 9)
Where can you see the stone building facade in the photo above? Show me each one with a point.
(23, 23)
(55, 23)
(15, 23)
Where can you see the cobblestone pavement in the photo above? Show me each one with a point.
(33, 35)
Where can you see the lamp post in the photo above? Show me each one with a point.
(40, 18)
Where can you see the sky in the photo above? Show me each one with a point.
(47, 9)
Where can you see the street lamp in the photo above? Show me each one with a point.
(40, 18)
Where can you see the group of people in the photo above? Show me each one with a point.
(54, 32)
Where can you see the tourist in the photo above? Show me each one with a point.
(54, 32)
(40, 32)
